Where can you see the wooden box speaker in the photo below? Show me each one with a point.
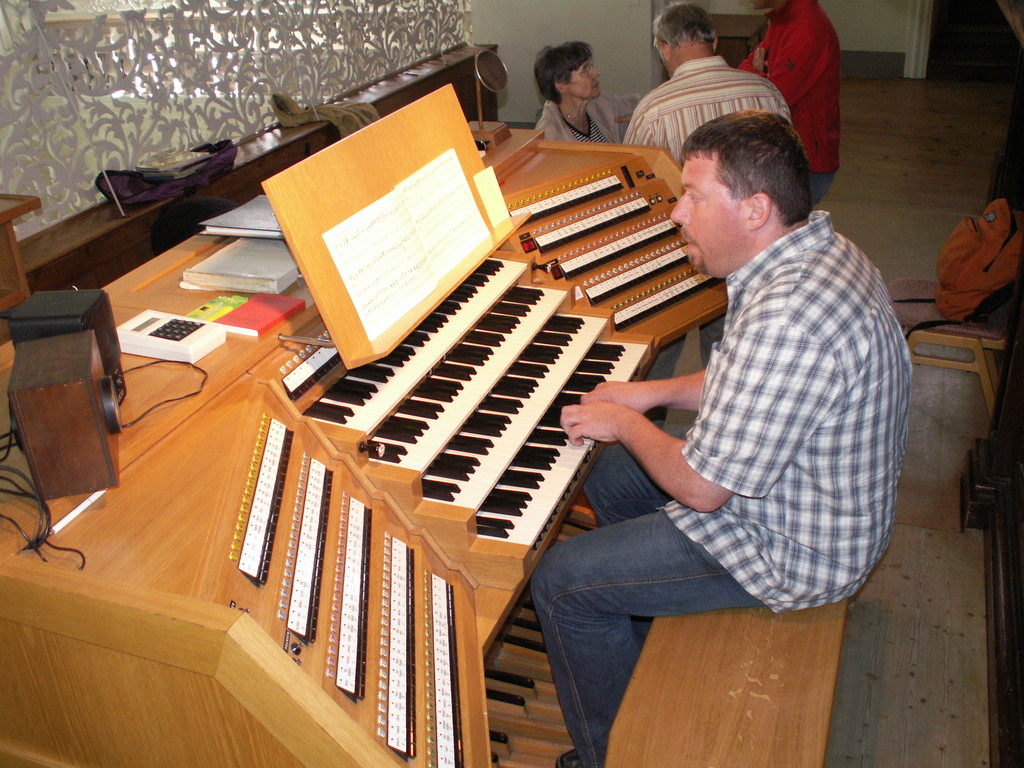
(64, 410)
(54, 313)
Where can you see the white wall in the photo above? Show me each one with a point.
(620, 32)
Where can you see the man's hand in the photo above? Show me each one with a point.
(597, 420)
(760, 60)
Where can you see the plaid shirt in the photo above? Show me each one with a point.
(803, 416)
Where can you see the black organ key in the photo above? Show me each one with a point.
(552, 417)
(372, 372)
(528, 370)
(448, 307)
(491, 424)
(352, 392)
(397, 356)
(548, 436)
(501, 404)
(439, 490)
(454, 371)
(401, 429)
(417, 338)
(484, 338)
(563, 324)
(333, 412)
(604, 352)
(523, 295)
(423, 409)
(483, 529)
(583, 382)
(470, 444)
(498, 323)
(540, 353)
(535, 457)
(510, 308)
(554, 338)
(470, 354)
(514, 386)
(432, 323)
(521, 478)
(594, 366)
(452, 466)
(494, 522)
(437, 389)
(506, 501)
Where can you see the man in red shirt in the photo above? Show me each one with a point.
(800, 55)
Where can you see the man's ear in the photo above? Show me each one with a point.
(562, 87)
(759, 210)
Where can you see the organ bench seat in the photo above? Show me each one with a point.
(739, 687)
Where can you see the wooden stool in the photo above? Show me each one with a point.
(913, 302)
(983, 351)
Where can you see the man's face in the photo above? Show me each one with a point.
(710, 220)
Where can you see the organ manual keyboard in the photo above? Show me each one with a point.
(311, 561)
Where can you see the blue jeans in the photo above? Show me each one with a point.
(593, 591)
(820, 182)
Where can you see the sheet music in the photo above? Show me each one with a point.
(392, 253)
(382, 262)
(443, 211)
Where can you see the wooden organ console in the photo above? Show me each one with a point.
(316, 559)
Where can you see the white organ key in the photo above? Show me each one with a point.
(390, 393)
(473, 492)
(439, 431)
(545, 500)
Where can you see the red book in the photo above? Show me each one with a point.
(260, 313)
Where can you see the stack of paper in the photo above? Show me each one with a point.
(253, 219)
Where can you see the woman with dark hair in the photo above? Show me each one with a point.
(575, 109)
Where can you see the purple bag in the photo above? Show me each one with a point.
(132, 187)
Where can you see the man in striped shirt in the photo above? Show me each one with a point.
(701, 87)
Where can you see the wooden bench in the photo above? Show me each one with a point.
(732, 688)
(98, 245)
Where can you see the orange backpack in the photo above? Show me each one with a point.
(979, 262)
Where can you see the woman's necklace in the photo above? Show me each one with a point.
(577, 119)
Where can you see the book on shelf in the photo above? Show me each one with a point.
(260, 313)
(248, 265)
(252, 219)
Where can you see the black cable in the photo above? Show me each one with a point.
(80, 553)
(9, 436)
(45, 519)
(145, 413)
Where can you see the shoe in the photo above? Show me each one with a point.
(569, 760)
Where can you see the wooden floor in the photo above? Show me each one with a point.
(917, 156)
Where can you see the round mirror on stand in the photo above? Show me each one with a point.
(492, 75)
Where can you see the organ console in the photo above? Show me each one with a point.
(322, 557)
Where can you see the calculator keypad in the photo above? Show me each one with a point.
(176, 330)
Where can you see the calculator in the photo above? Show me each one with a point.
(169, 337)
